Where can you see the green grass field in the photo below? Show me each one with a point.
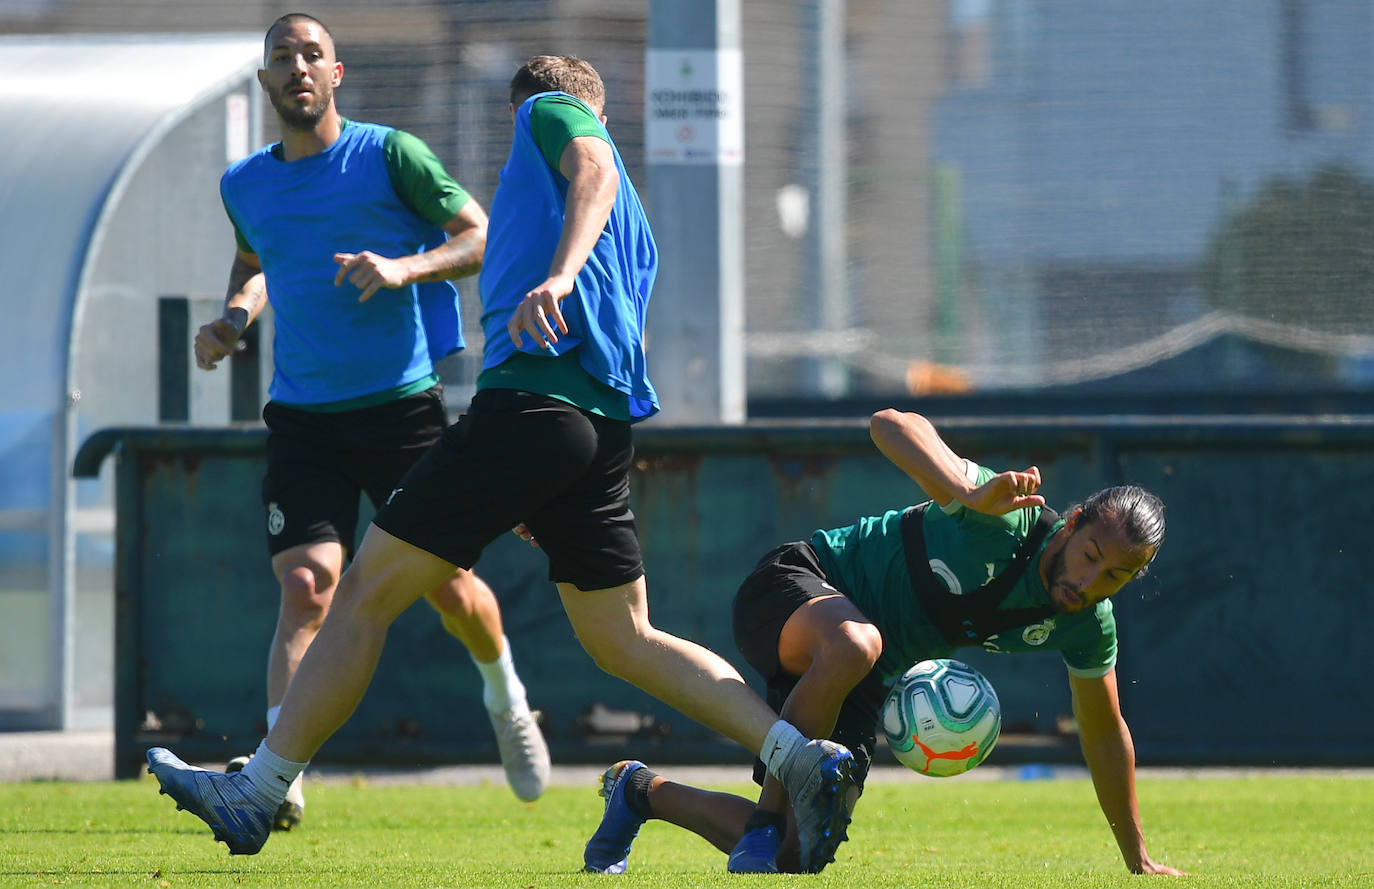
(1279, 831)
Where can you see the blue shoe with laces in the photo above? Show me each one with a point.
(608, 850)
(756, 852)
(222, 801)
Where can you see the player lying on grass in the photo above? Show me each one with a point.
(830, 622)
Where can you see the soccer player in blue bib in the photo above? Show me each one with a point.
(831, 621)
(545, 446)
(352, 231)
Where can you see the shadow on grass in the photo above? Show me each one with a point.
(177, 872)
(112, 829)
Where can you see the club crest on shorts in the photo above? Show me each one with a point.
(276, 519)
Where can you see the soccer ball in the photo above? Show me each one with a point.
(941, 718)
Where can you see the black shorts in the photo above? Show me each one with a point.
(318, 464)
(520, 457)
(784, 580)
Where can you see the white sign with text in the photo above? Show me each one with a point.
(694, 106)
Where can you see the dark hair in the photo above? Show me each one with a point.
(567, 74)
(291, 18)
(1138, 513)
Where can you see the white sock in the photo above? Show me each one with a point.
(269, 775)
(272, 714)
(780, 747)
(502, 689)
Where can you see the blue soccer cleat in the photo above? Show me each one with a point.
(608, 850)
(820, 791)
(756, 852)
(221, 801)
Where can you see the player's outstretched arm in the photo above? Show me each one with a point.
(910, 441)
(244, 300)
(1110, 755)
(588, 164)
(459, 256)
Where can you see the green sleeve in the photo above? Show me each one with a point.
(1096, 654)
(238, 235)
(420, 180)
(557, 120)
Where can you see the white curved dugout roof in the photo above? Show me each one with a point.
(83, 114)
(77, 109)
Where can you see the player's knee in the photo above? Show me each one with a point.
(451, 605)
(305, 594)
(461, 597)
(853, 651)
(473, 590)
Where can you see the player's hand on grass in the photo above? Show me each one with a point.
(538, 313)
(369, 272)
(1005, 492)
(214, 341)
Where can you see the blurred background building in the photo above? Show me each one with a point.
(1037, 193)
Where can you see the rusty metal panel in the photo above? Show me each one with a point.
(1260, 566)
(1251, 644)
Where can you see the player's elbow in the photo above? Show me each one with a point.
(889, 424)
(880, 422)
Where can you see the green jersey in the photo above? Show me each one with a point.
(867, 562)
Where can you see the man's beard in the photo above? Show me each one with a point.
(297, 117)
(1053, 575)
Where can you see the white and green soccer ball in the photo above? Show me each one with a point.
(941, 718)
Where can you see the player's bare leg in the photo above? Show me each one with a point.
(306, 575)
(634, 794)
(239, 813)
(470, 614)
(831, 645)
(613, 626)
(386, 577)
(716, 817)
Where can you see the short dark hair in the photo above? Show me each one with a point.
(567, 74)
(291, 18)
(1138, 513)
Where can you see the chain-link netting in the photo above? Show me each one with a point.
(1164, 195)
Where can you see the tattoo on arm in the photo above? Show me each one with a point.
(459, 257)
(247, 294)
(254, 295)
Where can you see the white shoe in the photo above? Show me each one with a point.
(820, 781)
(292, 809)
(524, 755)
